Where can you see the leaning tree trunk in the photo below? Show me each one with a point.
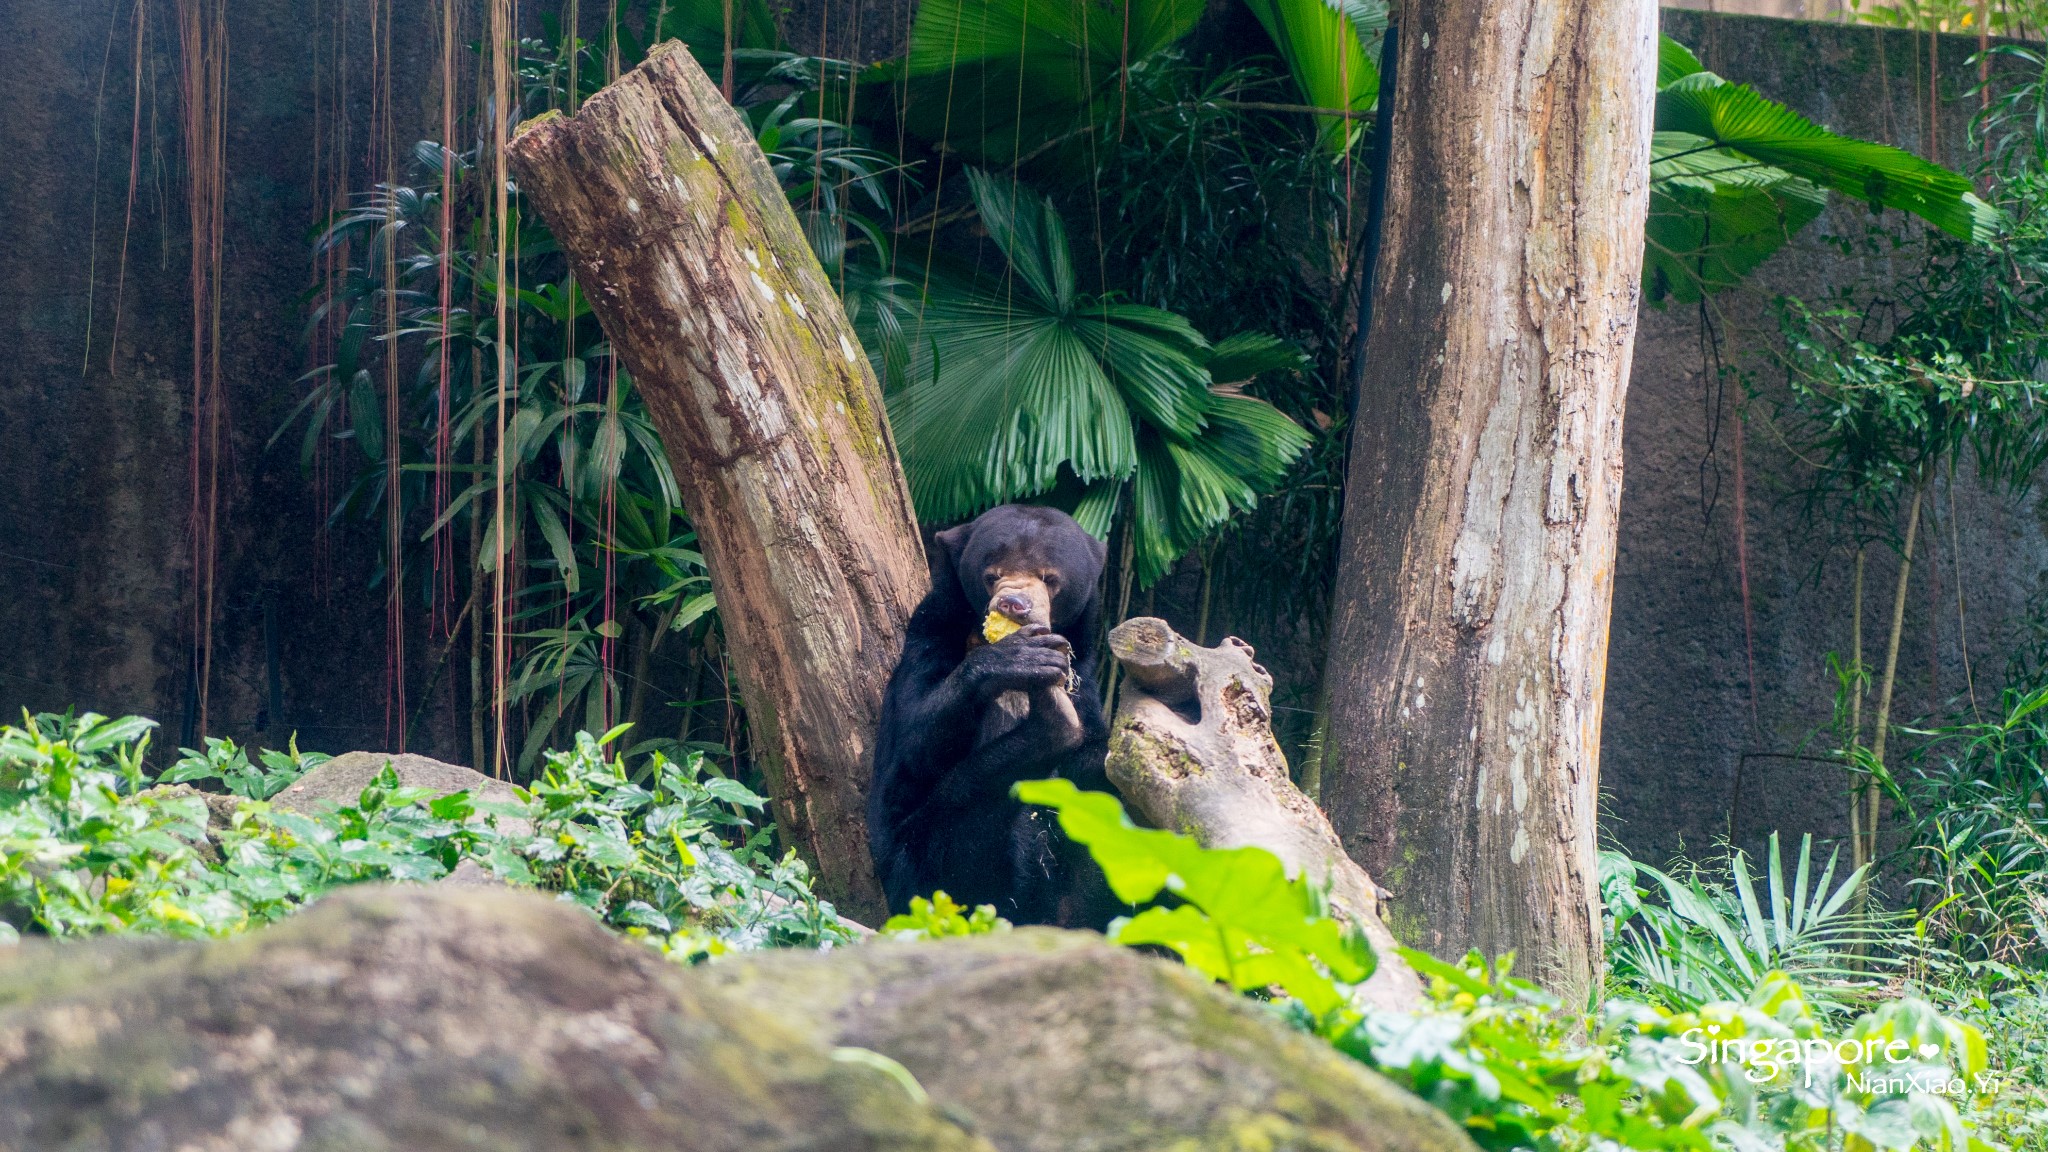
(691, 258)
(1468, 645)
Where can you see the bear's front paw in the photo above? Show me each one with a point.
(1052, 711)
(1025, 662)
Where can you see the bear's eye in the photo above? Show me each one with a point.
(988, 578)
(1052, 581)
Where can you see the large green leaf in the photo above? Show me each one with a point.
(1674, 60)
(1736, 117)
(998, 79)
(1249, 354)
(700, 24)
(1326, 55)
(1031, 235)
(1241, 920)
(1714, 216)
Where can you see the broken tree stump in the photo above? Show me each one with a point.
(1192, 749)
(691, 258)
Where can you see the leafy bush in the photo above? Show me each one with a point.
(221, 760)
(1716, 936)
(942, 916)
(1761, 1071)
(1974, 804)
(87, 847)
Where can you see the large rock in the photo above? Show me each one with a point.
(1060, 1041)
(339, 781)
(419, 1018)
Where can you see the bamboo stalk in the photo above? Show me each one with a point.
(1872, 793)
(1856, 709)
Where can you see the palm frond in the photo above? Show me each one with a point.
(1719, 936)
(1737, 117)
(1715, 216)
(1324, 47)
(998, 79)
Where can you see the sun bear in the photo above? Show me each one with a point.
(964, 719)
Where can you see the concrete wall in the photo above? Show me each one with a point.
(1680, 726)
(94, 431)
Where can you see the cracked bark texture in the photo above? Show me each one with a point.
(1469, 637)
(1192, 750)
(692, 260)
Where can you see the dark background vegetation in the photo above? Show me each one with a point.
(94, 434)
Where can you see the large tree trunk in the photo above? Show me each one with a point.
(1468, 645)
(694, 263)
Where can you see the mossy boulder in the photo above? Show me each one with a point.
(1047, 1040)
(339, 781)
(424, 1018)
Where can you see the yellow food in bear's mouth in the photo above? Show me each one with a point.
(997, 626)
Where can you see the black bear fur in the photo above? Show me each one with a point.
(940, 813)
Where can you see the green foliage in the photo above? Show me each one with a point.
(1002, 79)
(1881, 417)
(668, 852)
(1719, 935)
(1972, 803)
(1759, 1071)
(605, 569)
(1734, 175)
(1325, 48)
(2019, 18)
(2011, 1010)
(1763, 1072)
(223, 761)
(1016, 384)
(1236, 917)
(942, 916)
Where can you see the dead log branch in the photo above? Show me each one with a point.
(1192, 750)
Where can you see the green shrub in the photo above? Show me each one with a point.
(943, 916)
(86, 846)
(1764, 1071)
(1719, 934)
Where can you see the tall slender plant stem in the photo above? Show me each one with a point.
(1856, 706)
(1872, 793)
(479, 699)
(501, 112)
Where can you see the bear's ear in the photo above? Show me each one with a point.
(954, 540)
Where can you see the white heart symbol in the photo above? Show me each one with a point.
(1929, 1051)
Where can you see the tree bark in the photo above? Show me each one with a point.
(1469, 638)
(692, 260)
(1192, 750)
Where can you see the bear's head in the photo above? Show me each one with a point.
(1035, 565)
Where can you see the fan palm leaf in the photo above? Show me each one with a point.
(1324, 47)
(1715, 940)
(1012, 387)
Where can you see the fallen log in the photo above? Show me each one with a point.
(691, 258)
(1192, 749)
